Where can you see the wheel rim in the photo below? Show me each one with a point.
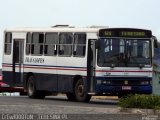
(30, 88)
(80, 90)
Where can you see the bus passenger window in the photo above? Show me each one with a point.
(8, 43)
(79, 44)
(65, 44)
(28, 43)
(37, 43)
(51, 39)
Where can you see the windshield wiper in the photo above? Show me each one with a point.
(135, 61)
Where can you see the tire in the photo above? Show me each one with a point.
(80, 93)
(31, 89)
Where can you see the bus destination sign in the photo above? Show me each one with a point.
(108, 33)
(117, 32)
(133, 34)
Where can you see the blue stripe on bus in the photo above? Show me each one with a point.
(46, 66)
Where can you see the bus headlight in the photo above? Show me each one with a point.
(105, 82)
(144, 82)
(99, 81)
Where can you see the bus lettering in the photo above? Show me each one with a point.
(34, 60)
(134, 34)
(108, 33)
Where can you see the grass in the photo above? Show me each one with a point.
(140, 101)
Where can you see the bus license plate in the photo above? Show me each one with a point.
(126, 88)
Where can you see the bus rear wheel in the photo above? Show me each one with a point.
(31, 89)
(79, 92)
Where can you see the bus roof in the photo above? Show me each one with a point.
(101, 30)
(53, 29)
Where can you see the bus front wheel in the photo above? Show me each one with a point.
(80, 93)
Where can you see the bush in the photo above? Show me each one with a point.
(140, 101)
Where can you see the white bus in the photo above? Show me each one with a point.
(79, 62)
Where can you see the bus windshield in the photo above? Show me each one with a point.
(120, 52)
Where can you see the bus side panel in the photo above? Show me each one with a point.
(69, 69)
(43, 68)
(7, 77)
(65, 83)
(44, 79)
(46, 82)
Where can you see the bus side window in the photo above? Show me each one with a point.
(65, 44)
(51, 39)
(8, 43)
(28, 43)
(37, 43)
(79, 44)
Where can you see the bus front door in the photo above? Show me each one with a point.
(91, 66)
(18, 51)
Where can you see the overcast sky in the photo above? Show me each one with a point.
(113, 13)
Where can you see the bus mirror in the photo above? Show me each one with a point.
(155, 42)
(97, 44)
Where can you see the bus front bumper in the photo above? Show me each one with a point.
(141, 89)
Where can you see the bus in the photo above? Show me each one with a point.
(80, 62)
